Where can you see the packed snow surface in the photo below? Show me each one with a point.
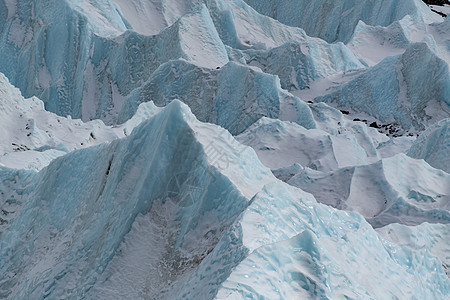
(224, 149)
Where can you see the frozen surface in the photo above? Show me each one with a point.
(372, 44)
(133, 179)
(445, 9)
(80, 73)
(300, 63)
(79, 70)
(83, 226)
(148, 17)
(234, 96)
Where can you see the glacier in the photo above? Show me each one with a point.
(224, 149)
(32, 137)
(85, 74)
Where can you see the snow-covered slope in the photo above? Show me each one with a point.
(234, 96)
(66, 233)
(280, 144)
(372, 44)
(298, 64)
(32, 136)
(433, 237)
(394, 190)
(77, 72)
(27, 127)
(148, 17)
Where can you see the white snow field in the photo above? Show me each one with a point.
(224, 149)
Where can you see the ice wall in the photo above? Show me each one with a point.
(336, 20)
(399, 90)
(433, 146)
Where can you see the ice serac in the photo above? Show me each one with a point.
(394, 190)
(433, 145)
(287, 246)
(79, 72)
(90, 64)
(125, 63)
(73, 215)
(399, 90)
(372, 44)
(45, 46)
(336, 20)
(175, 208)
(299, 63)
(241, 27)
(233, 96)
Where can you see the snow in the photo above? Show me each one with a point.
(33, 137)
(234, 96)
(297, 69)
(103, 16)
(275, 221)
(374, 43)
(148, 17)
(445, 9)
(11, 6)
(433, 237)
(206, 43)
(280, 144)
(86, 65)
(398, 189)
